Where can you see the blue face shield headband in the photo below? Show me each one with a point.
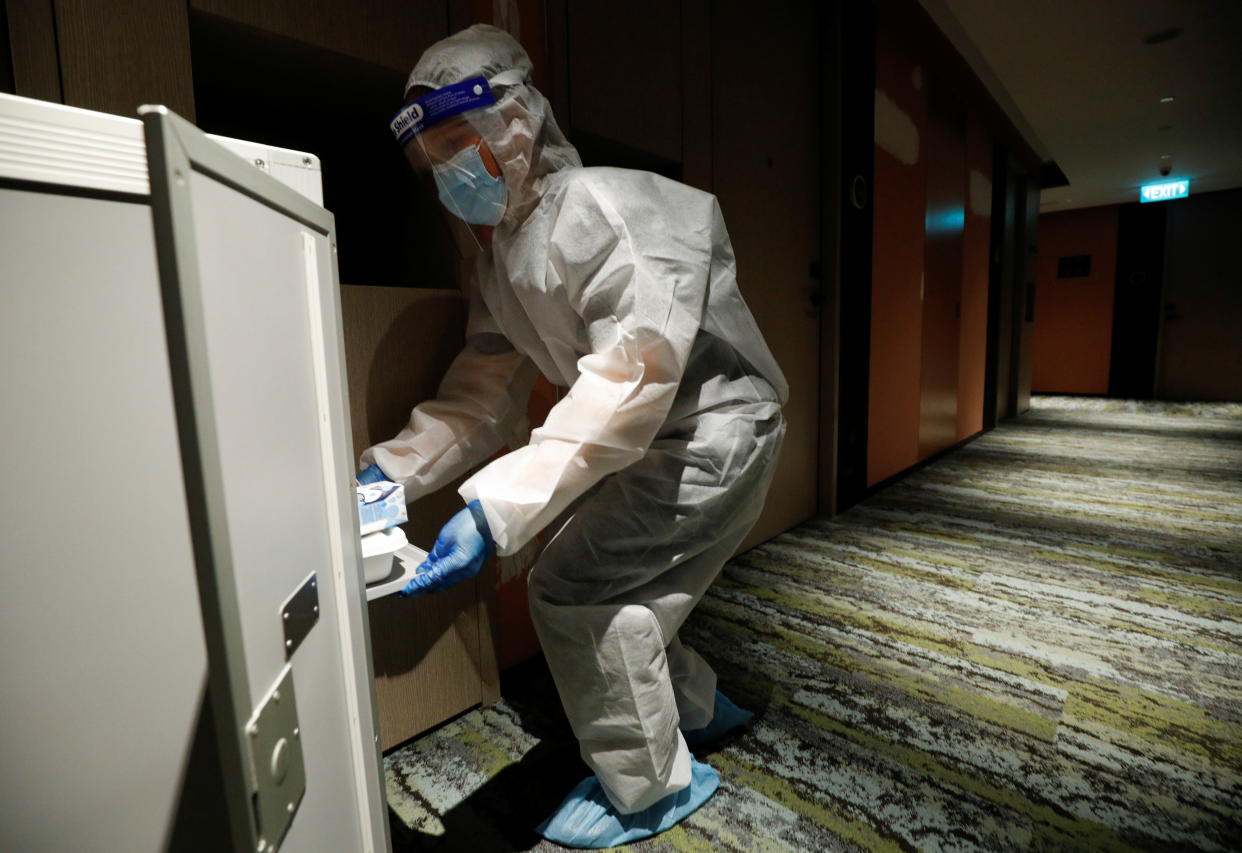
(424, 130)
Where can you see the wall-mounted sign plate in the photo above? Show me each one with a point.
(1166, 191)
(1074, 266)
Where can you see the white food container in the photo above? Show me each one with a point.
(377, 551)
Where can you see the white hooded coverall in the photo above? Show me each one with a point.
(619, 286)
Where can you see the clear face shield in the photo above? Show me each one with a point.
(441, 134)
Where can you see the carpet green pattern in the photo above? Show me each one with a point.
(1034, 643)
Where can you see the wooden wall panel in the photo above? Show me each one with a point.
(909, 49)
(851, 62)
(973, 326)
(640, 108)
(766, 175)
(525, 20)
(900, 193)
(1074, 316)
(32, 46)
(250, 84)
(434, 656)
(6, 54)
(912, 19)
(1024, 325)
(392, 33)
(117, 55)
(426, 653)
(945, 221)
(1001, 290)
(696, 69)
(558, 61)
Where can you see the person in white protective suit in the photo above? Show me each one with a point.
(619, 286)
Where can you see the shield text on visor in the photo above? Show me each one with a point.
(437, 134)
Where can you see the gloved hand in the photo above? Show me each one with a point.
(370, 474)
(462, 547)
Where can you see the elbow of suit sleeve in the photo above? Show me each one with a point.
(605, 423)
(470, 418)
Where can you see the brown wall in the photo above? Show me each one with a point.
(766, 174)
(900, 202)
(976, 238)
(1074, 316)
(434, 656)
(1171, 333)
(932, 215)
(944, 223)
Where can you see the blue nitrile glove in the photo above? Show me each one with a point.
(462, 547)
(370, 474)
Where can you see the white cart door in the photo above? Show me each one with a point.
(248, 272)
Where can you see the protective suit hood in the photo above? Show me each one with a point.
(519, 128)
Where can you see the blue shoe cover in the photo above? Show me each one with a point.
(588, 819)
(725, 718)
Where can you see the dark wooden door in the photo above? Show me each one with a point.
(942, 269)
(766, 158)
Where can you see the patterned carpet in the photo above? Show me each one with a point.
(1033, 644)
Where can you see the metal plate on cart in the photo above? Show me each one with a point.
(276, 767)
(299, 614)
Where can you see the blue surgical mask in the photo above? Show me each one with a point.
(468, 190)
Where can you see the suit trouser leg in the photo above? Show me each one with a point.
(608, 597)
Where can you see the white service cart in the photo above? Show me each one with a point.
(186, 650)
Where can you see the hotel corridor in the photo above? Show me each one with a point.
(1033, 643)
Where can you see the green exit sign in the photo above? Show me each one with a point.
(1165, 191)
